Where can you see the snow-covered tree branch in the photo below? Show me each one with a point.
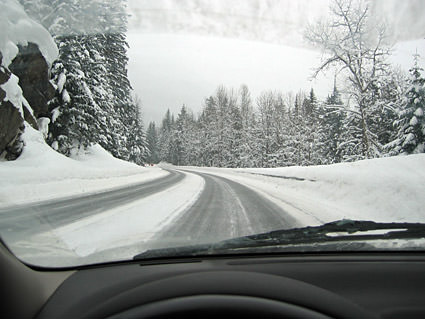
(349, 41)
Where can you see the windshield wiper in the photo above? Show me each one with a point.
(338, 231)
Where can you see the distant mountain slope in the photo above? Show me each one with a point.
(272, 21)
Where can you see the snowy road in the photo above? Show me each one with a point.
(193, 205)
(81, 216)
(225, 209)
(182, 208)
(24, 220)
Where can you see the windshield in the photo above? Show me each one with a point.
(162, 128)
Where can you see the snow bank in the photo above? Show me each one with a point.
(131, 225)
(41, 173)
(115, 234)
(384, 190)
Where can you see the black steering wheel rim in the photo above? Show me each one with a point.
(203, 292)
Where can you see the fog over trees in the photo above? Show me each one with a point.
(381, 114)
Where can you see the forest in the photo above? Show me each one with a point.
(93, 103)
(375, 109)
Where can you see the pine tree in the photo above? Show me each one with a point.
(236, 142)
(265, 112)
(208, 124)
(331, 115)
(296, 133)
(93, 101)
(246, 148)
(411, 133)
(310, 105)
(182, 137)
(152, 143)
(136, 143)
(224, 100)
(165, 138)
(75, 122)
(310, 112)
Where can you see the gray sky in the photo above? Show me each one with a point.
(181, 50)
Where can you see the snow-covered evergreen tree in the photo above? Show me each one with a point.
(152, 143)
(76, 116)
(247, 156)
(274, 127)
(298, 145)
(311, 123)
(331, 116)
(93, 101)
(181, 137)
(208, 124)
(165, 138)
(136, 142)
(411, 133)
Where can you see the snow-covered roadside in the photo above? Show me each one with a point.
(385, 190)
(133, 223)
(41, 173)
(119, 233)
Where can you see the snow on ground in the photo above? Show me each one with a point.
(384, 190)
(41, 173)
(388, 189)
(133, 223)
(118, 233)
(115, 234)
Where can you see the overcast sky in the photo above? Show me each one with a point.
(181, 50)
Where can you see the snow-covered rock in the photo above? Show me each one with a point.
(11, 118)
(17, 28)
(32, 69)
(28, 50)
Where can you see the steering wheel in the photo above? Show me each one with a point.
(228, 293)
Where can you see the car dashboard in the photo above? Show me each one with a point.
(331, 285)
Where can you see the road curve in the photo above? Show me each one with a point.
(21, 221)
(225, 209)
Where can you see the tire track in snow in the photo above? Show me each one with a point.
(25, 220)
(115, 233)
(225, 209)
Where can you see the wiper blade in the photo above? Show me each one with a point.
(337, 231)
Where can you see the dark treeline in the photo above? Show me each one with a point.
(280, 129)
